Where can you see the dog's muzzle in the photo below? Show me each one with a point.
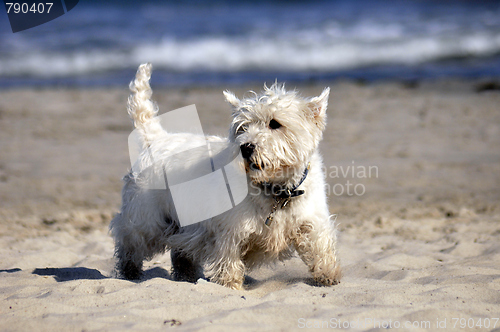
(247, 150)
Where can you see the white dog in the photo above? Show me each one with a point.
(285, 211)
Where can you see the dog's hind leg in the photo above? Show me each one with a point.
(128, 249)
(129, 264)
(184, 268)
(129, 269)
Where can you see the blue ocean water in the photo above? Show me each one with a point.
(214, 42)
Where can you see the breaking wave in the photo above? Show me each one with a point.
(243, 54)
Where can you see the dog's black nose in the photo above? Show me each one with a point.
(247, 150)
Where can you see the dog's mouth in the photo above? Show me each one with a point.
(251, 166)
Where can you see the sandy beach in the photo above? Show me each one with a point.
(413, 173)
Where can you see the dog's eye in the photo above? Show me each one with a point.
(273, 124)
(241, 129)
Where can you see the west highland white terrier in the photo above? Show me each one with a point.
(285, 211)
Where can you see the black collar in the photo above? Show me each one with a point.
(282, 195)
(282, 191)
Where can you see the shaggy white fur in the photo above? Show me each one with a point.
(279, 132)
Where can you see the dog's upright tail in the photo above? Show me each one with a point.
(142, 110)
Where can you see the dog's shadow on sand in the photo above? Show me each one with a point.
(83, 273)
(156, 272)
(252, 283)
(70, 273)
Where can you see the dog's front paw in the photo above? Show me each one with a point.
(327, 281)
(328, 278)
(233, 281)
(235, 285)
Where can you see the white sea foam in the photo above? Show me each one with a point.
(307, 51)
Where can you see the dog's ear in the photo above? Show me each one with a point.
(231, 98)
(319, 104)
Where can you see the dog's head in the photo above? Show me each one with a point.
(278, 131)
